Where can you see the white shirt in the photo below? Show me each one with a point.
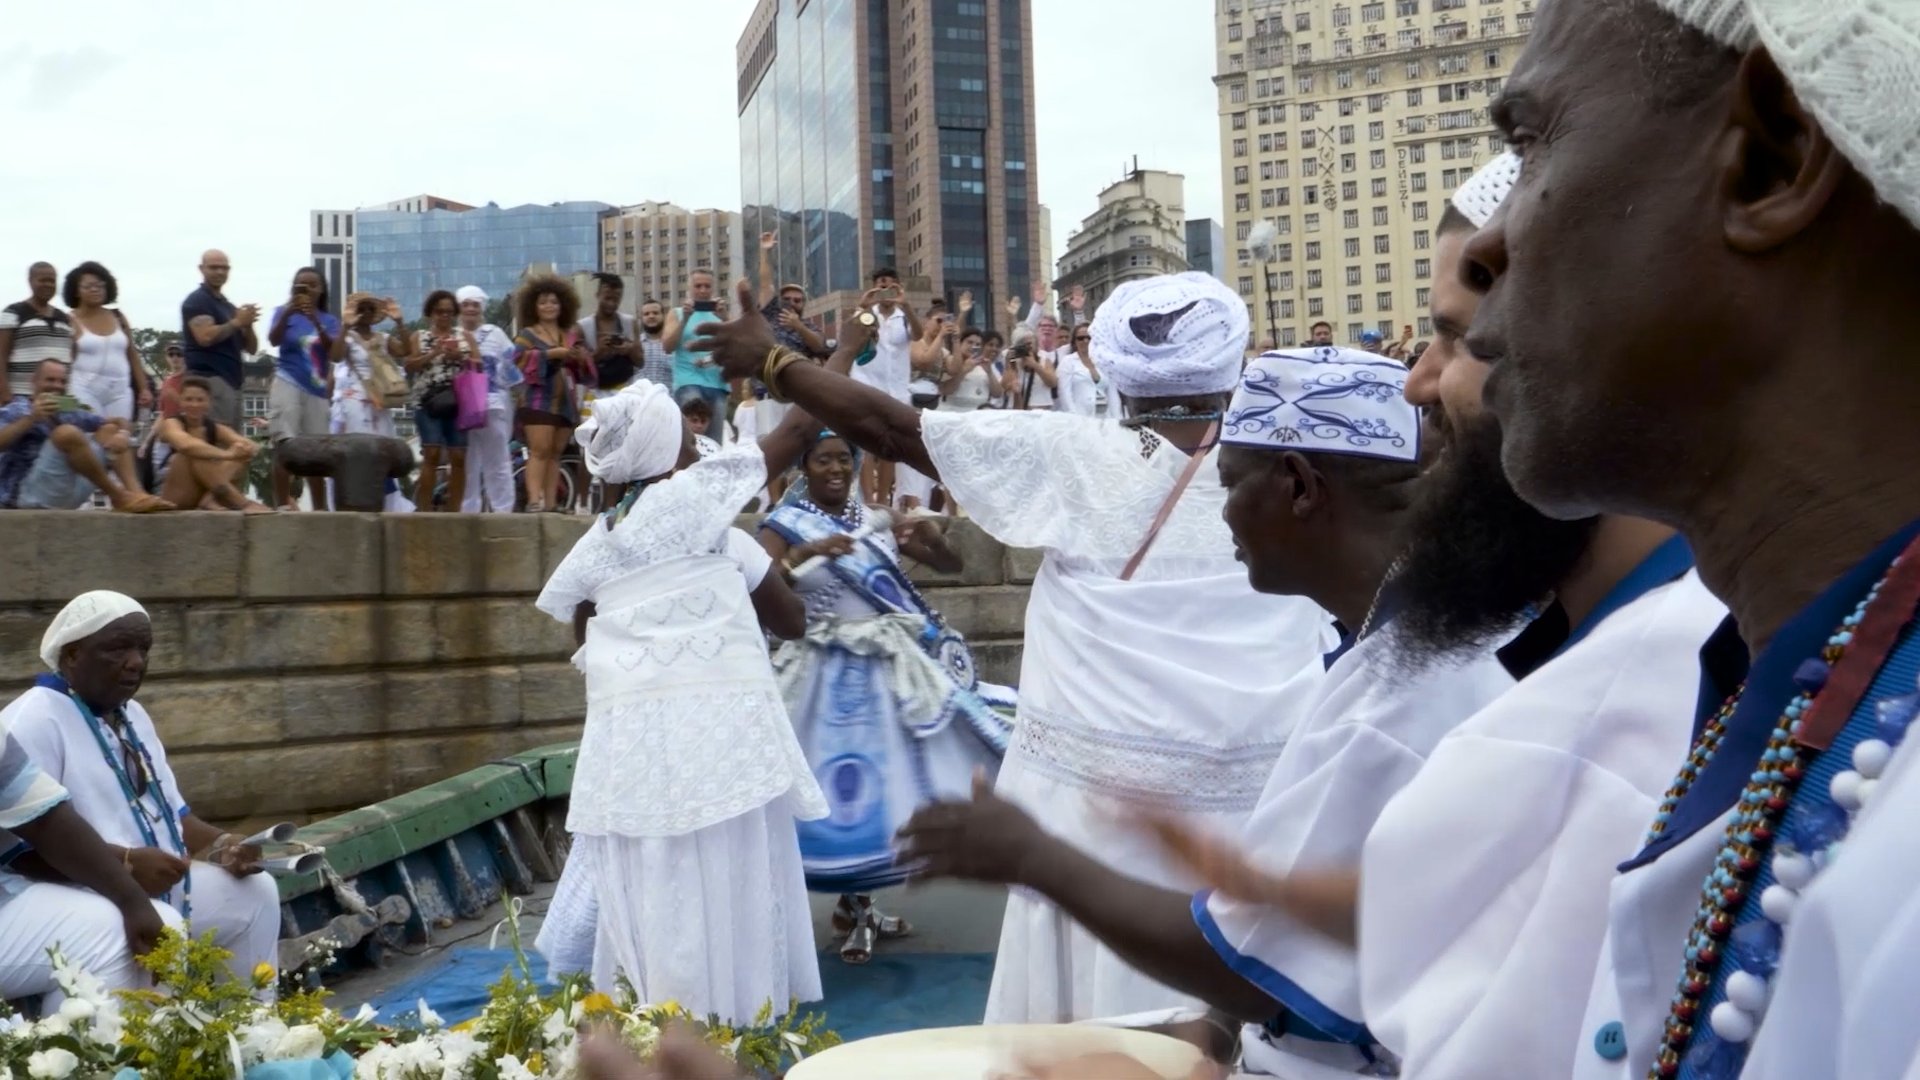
(1484, 883)
(1080, 393)
(891, 369)
(1364, 739)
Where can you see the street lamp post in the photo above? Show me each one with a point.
(1260, 243)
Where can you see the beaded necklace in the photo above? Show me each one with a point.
(142, 820)
(852, 523)
(1758, 819)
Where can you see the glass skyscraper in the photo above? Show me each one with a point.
(870, 141)
(409, 255)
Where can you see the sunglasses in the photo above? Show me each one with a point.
(1078, 338)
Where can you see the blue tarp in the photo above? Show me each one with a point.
(894, 992)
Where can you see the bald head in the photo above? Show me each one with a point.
(214, 268)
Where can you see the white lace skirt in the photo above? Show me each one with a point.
(567, 933)
(716, 919)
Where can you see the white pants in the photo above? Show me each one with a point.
(243, 913)
(110, 396)
(85, 926)
(489, 464)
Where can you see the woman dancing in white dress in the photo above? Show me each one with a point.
(690, 778)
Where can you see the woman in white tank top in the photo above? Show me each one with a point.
(107, 375)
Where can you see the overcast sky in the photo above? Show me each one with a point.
(148, 132)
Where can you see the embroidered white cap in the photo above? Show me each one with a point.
(84, 616)
(1479, 197)
(1177, 335)
(1855, 64)
(1324, 400)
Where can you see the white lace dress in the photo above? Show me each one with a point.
(689, 778)
(1174, 691)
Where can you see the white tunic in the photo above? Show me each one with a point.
(1844, 997)
(685, 725)
(1484, 883)
(1174, 691)
(1363, 741)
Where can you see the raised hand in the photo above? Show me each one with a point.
(988, 839)
(738, 346)
(1077, 299)
(768, 241)
(1040, 292)
(1013, 307)
(966, 301)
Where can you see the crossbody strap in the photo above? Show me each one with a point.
(1166, 508)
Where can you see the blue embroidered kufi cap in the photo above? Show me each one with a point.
(1324, 400)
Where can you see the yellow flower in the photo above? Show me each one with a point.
(536, 1065)
(263, 973)
(598, 1002)
(465, 1025)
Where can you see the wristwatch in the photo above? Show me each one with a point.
(867, 318)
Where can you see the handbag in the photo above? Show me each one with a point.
(385, 382)
(470, 389)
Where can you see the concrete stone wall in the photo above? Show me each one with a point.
(306, 664)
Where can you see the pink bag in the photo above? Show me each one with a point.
(470, 390)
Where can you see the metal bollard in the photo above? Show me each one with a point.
(358, 465)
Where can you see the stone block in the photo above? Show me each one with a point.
(231, 712)
(224, 712)
(56, 555)
(462, 554)
(311, 556)
(22, 627)
(298, 637)
(558, 534)
(996, 611)
(1023, 565)
(998, 661)
(551, 693)
(497, 629)
(310, 780)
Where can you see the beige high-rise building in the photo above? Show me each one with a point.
(1348, 124)
(1139, 231)
(656, 246)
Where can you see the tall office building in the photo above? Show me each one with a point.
(1348, 125)
(407, 254)
(1139, 231)
(330, 250)
(892, 133)
(657, 246)
(1206, 247)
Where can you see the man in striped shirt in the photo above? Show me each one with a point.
(99, 920)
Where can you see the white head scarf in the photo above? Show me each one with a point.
(1852, 63)
(635, 434)
(84, 616)
(1479, 197)
(1177, 335)
(1324, 400)
(471, 292)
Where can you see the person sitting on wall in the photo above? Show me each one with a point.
(81, 725)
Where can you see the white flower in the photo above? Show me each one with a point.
(258, 1040)
(512, 1069)
(52, 1025)
(299, 1043)
(457, 1049)
(54, 1064)
(429, 1018)
(556, 1028)
(366, 1014)
(76, 1009)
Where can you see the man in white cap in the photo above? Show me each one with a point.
(98, 918)
(81, 724)
(488, 453)
(1154, 675)
(690, 776)
(1721, 339)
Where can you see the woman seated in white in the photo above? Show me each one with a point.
(82, 726)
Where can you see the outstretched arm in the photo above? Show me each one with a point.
(873, 420)
(990, 839)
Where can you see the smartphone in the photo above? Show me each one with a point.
(706, 305)
(68, 403)
(303, 287)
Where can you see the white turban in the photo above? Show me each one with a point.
(1853, 63)
(635, 434)
(1178, 335)
(86, 615)
(1325, 400)
(470, 292)
(1479, 197)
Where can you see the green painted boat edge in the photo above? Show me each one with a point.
(359, 840)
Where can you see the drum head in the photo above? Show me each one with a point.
(975, 1053)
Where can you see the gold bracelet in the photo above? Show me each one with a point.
(126, 858)
(767, 369)
(786, 359)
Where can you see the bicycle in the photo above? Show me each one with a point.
(569, 499)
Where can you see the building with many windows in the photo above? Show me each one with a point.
(891, 133)
(1348, 124)
(1139, 231)
(656, 246)
(330, 240)
(407, 254)
(1206, 247)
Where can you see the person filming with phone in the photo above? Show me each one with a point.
(694, 375)
(300, 404)
(55, 452)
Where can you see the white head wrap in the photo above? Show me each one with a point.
(635, 434)
(1178, 335)
(84, 616)
(1853, 63)
(470, 292)
(1479, 197)
(1326, 400)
